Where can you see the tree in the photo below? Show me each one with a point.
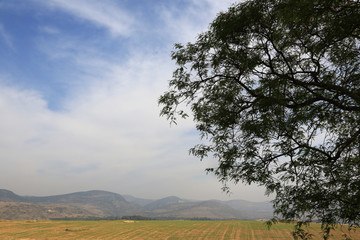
(274, 89)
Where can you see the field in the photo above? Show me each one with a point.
(153, 230)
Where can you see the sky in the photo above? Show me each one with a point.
(79, 84)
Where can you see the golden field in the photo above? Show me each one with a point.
(155, 230)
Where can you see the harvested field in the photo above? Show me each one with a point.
(153, 230)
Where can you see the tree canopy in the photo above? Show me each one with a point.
(274, 90)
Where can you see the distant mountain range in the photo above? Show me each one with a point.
(102, 204)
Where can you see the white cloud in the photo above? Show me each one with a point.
(111, 138)
(110, 131)
(105, 14)
(110, 135)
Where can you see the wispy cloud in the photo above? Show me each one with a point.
(6, 37)
(218, 6)
(186, 23)
(104, 14)
(49, 30)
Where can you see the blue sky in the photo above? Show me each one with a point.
(79, 83)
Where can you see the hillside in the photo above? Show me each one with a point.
(164, 202)
(252, 210)
(139, 201)
(205, 209)
(8, 196)
(32, 211)
(103, 204)
(80, 204)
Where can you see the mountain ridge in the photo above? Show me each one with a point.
(105, 204)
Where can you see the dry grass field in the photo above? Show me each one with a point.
(153, 230)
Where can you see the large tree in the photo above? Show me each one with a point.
(274, 90)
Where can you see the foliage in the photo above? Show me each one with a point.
(136, 218)
(300, 233)
(273, 87)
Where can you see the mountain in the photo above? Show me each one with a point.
(8, 196)
(204, 209)
(79, 197)
(103, 204)
(139, 201)
(89, 204)
(163, 202)
(252, 210)
(32, 211)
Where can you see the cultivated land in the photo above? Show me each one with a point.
(154, 230)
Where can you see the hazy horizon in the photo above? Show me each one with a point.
(79, 84)
(138, 197)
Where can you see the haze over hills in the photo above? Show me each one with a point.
(161, 203)
(103, 204)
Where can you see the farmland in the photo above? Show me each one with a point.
(153, 230)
